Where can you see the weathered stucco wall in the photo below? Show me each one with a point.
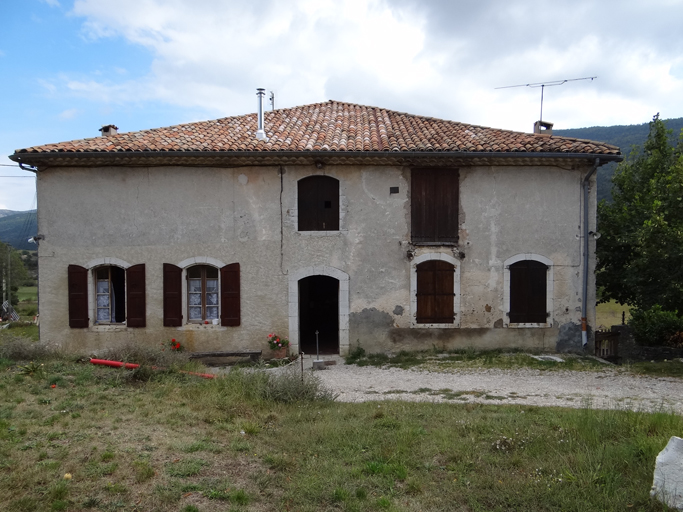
(249, 215)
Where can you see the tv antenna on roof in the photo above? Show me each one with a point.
(543, 85)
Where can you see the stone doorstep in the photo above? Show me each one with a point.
(548, 358)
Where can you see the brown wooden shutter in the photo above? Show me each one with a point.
(135, 296)
(318, 204)
(528, 292)
(230, 295)
(434, 195)
(173, 299)
(435, 279)
(78, 297)
(421, 206)
(446, 186)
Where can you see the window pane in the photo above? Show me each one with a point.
(102, 273)
(195, 299)
(103, 315)
(195, 313)
(211, 272)
(211, 312)
(103, 301)
(195, 286)
(212, 285)
(195, 272)
(102, 286)
(212, 299)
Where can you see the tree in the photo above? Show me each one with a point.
(17, 272)
(640, 252)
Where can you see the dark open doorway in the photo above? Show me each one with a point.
(319, 311)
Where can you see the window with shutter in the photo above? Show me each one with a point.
(435, 294)
(230, 295)
(528, 292)
(434, 196)
(78, 296)
(136, 310)
(318, 204)
(173, 296)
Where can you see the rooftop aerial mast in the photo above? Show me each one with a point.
(543, 85)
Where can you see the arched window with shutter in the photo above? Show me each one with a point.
(435, 291)
(528, 293)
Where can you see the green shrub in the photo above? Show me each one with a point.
(655, 327)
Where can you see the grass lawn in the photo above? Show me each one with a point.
(163, 441)
(609, 314)
(28, 293)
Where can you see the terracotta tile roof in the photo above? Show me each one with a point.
(331, 126)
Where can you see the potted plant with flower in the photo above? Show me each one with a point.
(278, 345)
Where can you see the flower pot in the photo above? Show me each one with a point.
(280, 353)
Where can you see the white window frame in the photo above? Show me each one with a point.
(92, 267)
(456, 289)
(550, 287)
(192, 262)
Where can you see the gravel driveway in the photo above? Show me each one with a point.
(610, 388)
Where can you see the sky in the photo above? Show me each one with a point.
(67, 67)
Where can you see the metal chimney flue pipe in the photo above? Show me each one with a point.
(260, 132)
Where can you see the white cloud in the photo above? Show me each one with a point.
(440, 58)
(69, 113)
(51, 3)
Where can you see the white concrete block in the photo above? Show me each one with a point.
(667, 485)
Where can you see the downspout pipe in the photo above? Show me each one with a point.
(584, 301)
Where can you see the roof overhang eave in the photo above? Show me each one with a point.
(241, 158)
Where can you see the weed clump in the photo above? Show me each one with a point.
(285, 386)
(22, 349)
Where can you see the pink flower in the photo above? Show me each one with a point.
(270, 335)
(279, 345)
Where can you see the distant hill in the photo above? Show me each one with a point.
(623, 136)
(17, 227)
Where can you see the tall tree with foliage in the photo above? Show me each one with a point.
(640, 253)
(12, 271)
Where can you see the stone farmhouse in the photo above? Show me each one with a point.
(368, 226)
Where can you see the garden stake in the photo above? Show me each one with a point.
(301, 357)
(317, 349)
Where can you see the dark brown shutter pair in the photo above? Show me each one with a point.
(136, 307)
(528, 292)
(230, 295)
(434, 205)
(318, 204)
(435, 279)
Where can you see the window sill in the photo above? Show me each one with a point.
(109, 328)
(529, 326)
(435, 244)
(322, 233)
(415, 325)
(201, 327)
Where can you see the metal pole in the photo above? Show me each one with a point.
(301, 356)
(317, 349)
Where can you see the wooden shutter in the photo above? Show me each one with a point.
(435, 279)
(318, 203)
(528, 292)
(434, 197)
(135, 296)
(230, 295)
(78, 297)
(173, 299)
(446, 194)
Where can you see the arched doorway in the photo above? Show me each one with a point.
(319, 311)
